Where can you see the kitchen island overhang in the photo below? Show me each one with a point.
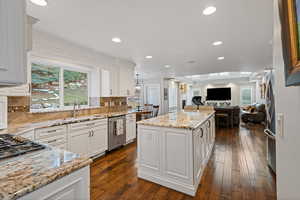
(174, 149)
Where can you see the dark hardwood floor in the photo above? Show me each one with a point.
(237, 170)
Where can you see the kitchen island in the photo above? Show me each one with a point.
(173, 149)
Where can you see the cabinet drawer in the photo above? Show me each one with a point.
(89, 124)
(41, 134)
(28, 135)
(55, 141)
(131, 116)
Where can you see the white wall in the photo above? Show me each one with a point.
(235, 90)
(287, 102)
(54, 48)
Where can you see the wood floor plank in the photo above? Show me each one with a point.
(237, 170)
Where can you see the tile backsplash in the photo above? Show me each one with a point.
(19, 109)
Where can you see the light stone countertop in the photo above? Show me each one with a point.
(180, 119)
(19, 129)
(26, 173)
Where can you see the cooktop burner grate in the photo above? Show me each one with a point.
(11, 146)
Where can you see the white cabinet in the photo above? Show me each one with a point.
(130, 127)
(28, 135)
(88, 138)
(127, 81)
(3, 112)
(12, 40)
(98, 140)
(106, 89)
(22, 90)
(54, 136)
(75, 186)
(199, 146)
(78, 142)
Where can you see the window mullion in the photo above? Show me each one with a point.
(61, 87)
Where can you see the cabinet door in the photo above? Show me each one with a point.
(98, 140)
(106, 90)
(29, 135)
(198, 153)
(12, 40)
(78, 142)
(3, 112)
(130, 129)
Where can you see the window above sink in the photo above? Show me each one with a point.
(57, 86)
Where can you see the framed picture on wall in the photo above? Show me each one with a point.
(290, 21)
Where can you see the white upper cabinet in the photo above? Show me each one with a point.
(3, 112)
(127, 81)
(106, 90)
(12, 40)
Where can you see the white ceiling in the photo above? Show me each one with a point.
(172, 31)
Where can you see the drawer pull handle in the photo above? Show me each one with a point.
(52, 131)
(201, 132)
(90, 124)
(51, 141)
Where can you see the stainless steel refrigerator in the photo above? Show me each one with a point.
(271, 121)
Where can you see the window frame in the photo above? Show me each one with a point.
(62, 66)
(173, 108)
(241, 96)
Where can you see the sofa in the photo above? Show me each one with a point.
(254, 114)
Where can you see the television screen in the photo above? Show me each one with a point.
(218, 94)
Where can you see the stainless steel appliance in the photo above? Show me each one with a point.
(116, 132)
(11, 146)
(271, 122)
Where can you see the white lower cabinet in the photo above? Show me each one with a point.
(28, 135)
(88, 138)
(78, 142)
(130, 128)
(75, 186)
(54, 136)
(98, 142)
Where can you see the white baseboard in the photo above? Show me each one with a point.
(186, 189)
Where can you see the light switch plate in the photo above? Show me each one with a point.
(280, 124)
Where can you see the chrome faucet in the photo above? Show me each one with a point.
(75, 111)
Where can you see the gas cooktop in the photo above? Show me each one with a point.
(11, 146)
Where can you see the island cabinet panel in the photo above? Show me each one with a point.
(179, 167)
(150, 151)
(175, 157)
(199, 153)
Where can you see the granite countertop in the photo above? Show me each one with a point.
(23, 174)
(181, 119)
(19, 129)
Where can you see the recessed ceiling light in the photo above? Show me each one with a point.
(116, 40)
(209, 10)
(167, 66)
(148, 57)
(39, 2)
(217, 43)
(221, 58)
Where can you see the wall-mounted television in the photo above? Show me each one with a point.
(218, 94)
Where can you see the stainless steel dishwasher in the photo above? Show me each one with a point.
(116, 139)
